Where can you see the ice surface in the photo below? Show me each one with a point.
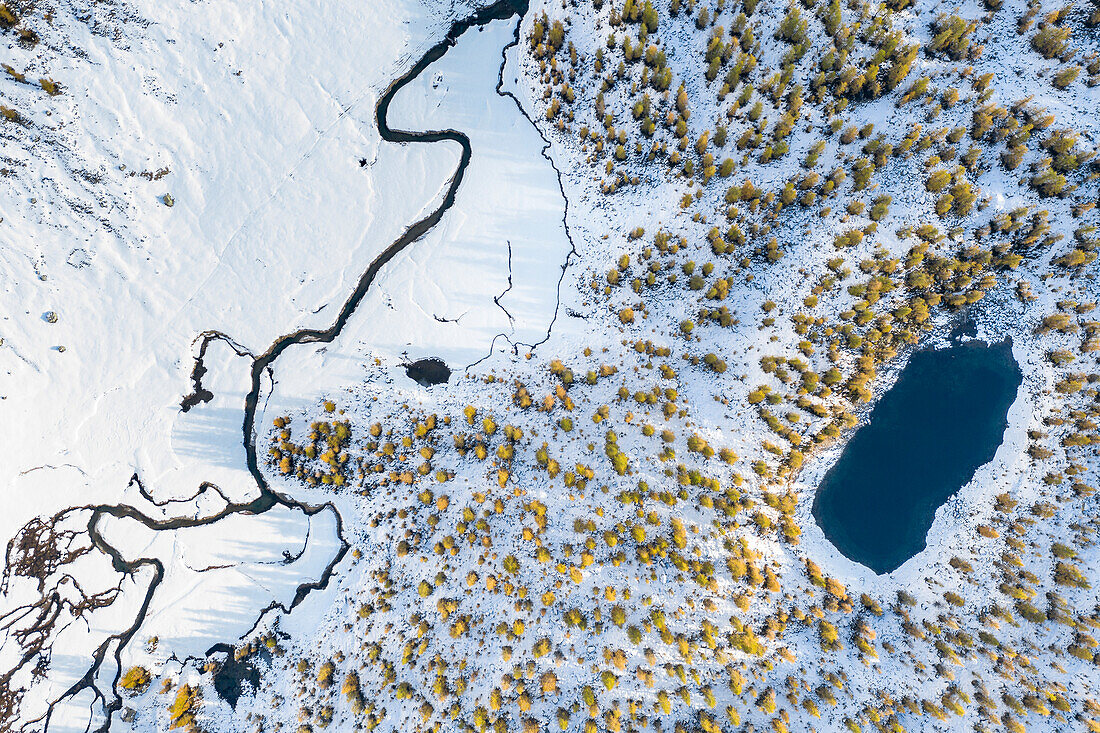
(487, 276)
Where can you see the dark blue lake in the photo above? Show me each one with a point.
(944, 418)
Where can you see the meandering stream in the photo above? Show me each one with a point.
(268, 498)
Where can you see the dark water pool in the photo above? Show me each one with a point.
(944, 418)
(427, 372)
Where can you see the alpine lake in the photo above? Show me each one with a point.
(943, 419)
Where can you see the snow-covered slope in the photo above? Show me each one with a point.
(693, 242)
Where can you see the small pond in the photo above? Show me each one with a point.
(941, 421)
(427, 372)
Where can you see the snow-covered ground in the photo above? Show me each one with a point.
(214, 169)
(486, 278)
(272, 222)
(217, 168)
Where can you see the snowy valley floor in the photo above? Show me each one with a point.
(693, 245)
